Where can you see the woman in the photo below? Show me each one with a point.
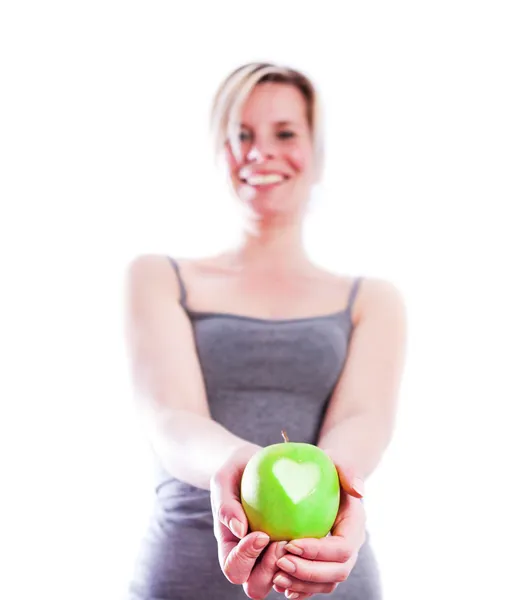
(228, 350)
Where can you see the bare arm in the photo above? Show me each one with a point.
(167, 377)
(359, 421)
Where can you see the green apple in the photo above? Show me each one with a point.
(290, 490)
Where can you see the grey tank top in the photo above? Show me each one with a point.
(261, 376)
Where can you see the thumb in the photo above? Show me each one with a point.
(350, 481)
(232, 515)
(226, 504)
(225, 491)
(228, 510)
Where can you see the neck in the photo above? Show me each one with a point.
(269, 246)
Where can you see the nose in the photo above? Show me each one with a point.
(261, 150)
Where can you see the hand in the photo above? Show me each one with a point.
(313, 566)
(239, 552)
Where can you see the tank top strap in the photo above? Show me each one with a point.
(353, 293)
(182, 286)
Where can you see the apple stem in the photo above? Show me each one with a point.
(284, 435)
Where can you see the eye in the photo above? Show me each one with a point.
(286, 134)
(244, 136)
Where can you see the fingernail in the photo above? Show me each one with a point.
(294, 549)
(282, 581)
(286, 565)
(358, 486)
(260, 541)
(293, 596)
(237, 528)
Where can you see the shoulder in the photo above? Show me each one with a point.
(379, 297)
(151, 272)
(158, 271)
(380, 291)
(370, 294)
(147, 268)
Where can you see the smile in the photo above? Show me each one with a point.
(265, 179)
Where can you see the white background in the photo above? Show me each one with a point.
(105, 155)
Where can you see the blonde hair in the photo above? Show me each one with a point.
(234, 91)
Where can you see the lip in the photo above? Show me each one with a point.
(266, 187)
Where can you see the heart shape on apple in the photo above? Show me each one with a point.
(298, 480)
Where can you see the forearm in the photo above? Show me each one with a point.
(192, 447)
(358, 442)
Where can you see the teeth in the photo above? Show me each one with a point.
(265, 179)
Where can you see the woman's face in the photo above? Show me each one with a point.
(274, 170)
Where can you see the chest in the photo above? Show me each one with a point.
(266, 296)
(298, 357)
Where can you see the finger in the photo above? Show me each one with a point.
(241, 559)
(305, 590)
(260, 581)
(348, 534)
(226, 542)
(331, 549)
(352, 562)
(290, 585)
(300, 589)
(350, 482)
(313, 571)
(296, 595)
(226, 504)
(350, 523)
(290, 594)
(232, 516)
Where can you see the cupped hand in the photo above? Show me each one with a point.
(313, 566)
(245, 558)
